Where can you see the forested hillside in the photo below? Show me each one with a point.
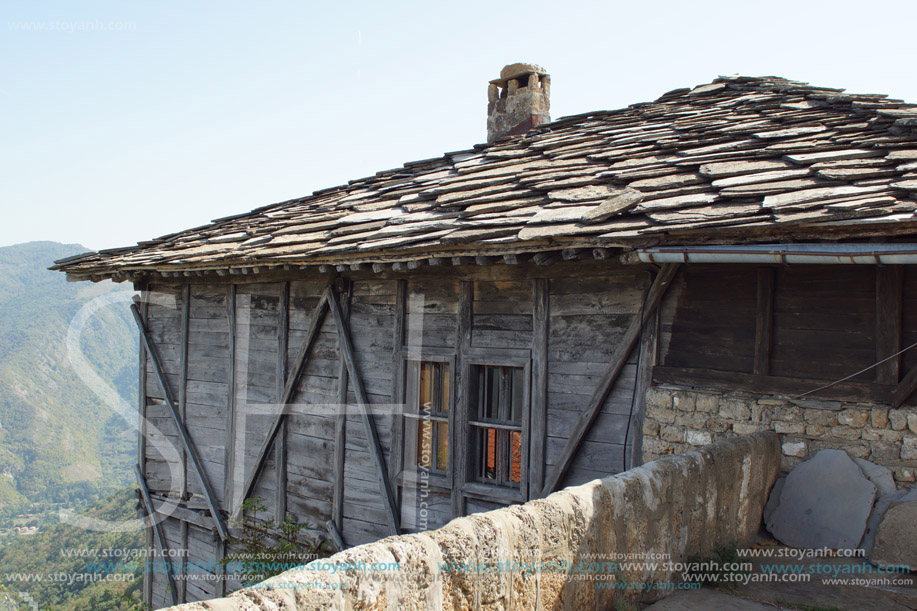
(60, 445)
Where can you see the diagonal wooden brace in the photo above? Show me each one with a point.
(186, 440)
(372, 436)
(318, 317)
(157, 530)
(618, 360)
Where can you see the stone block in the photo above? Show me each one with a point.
(842, 432)
(672, 434)
(794, 448)
(745, 428)
(912, 421)
(896, 538)
(824, 417)
(789, 413)
(762, 414)
(658, 397)
(909, 448)
(883, 451)
(905, 474)
(898, 419)
(824, 503)
(684, 401)
(707, 403)
(878, 512)
(793, 428)
(815, 430)
(887, 435)
(699, 438)
(660, 414)
(650, 428)
(736, 409)
(718, 425)
(878, 418)
(855, 418)
(653, 448)
(693, 420)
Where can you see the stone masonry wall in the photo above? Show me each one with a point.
(673, 508)
(678, 420)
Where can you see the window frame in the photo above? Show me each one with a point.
(471, 361)
(408, 473)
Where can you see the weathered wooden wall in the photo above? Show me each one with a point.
(227, 350)
(790, 329)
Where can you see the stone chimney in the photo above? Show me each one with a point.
(518, 101)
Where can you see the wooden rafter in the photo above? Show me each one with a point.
(618, 360)
(372, 435)
(318, 317)
(186, 440)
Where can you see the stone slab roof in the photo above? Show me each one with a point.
(738, 160)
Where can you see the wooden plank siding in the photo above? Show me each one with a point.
(561, 322)
(791, 329)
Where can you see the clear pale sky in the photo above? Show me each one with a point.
(124, 120)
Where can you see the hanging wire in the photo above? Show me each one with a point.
(853, 375)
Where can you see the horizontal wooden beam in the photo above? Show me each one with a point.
(728, 380)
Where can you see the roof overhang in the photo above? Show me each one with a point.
(817, 254)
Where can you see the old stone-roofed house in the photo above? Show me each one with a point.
(556, 305)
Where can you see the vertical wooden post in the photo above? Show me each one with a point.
(539, 403)
(340, 424)
(183, 411)
(230, 443)
(889, 308)
(280, 444)
(764, 322)
(633, 442)
(183, 379)
(141, 432)
(463, 337)
(396, 462)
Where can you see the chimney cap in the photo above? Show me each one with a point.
(516, 70)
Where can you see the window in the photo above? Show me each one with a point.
(496, 420)
(428, 407)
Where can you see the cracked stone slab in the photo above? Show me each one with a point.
(825, 502)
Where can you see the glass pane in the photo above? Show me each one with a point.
(515, 457)
(445, 386)
(426, 387)
(518, 395)
(442, 446)
(425, 444)
(488, 449)
(491, 407)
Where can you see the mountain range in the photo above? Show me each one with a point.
(60, 443)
